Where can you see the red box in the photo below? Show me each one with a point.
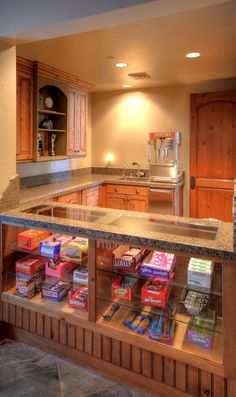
(30, 264)
(127, 263)
(78, 299)
(155, 294)
(30, 239)
(120, 292)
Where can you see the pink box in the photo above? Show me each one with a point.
(158, 264)
(59, 269)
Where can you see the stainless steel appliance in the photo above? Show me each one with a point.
(165, 164)
(161, 201)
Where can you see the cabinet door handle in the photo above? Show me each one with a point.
(77, 151)
(68, 201)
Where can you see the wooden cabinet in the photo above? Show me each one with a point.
(91, 196)
(124, 197)
(24, 128)
(77, 123)
(71, 198)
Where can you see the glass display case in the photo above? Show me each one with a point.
(156, 296)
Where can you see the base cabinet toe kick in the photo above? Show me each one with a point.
(155, 317)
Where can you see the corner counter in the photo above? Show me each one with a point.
(179, 368)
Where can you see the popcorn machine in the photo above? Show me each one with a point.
(164, 157)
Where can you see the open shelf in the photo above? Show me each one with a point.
(50, 130)
(52, 112)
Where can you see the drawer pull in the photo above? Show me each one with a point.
(116, 189)
(137, 191)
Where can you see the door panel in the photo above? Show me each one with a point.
(24, 132)
(137, 203)
(117, 201)
(213, 154)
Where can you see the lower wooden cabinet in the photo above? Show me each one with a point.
(124, 197)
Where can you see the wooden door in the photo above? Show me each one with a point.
(212, 155)
(77, 123)
(24, 129)
(116, 201)
(135, 203)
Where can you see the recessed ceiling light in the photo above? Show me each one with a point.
(193, 55)
(126, 85)
(121, 64)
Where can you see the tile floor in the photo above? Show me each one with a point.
(28, 372)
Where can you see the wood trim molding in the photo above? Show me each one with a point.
(24, 65)
(52, 72)
(215, 183)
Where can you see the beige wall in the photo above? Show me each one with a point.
(7, 115)
(26, 169)
(121, 121)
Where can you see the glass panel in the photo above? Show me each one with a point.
(130, 223)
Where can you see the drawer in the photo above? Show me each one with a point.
(127, 189)
(72, 198)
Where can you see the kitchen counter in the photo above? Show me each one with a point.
(77, 183)
(194, 236)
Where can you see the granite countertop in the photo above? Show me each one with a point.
(76, 183)
(118, 225)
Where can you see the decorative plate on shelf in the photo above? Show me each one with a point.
(48, 102)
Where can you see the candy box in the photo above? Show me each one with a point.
(124, 287)
(30, 264)
(158, 264)
(30, 239)
(26, 291)
(201, 330)
(76, 250)
(195, 303)
(162, 330)
(155, 294)
(63, 239)
(55, 290)
(200, 273)
(50, 248)
(78, 298)
(80, 275)
(127, 259)
(37, 278)
(59, 269)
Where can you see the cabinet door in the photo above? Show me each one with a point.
(117, 201)
(77, 123)
(24, 131)
(135, 203)
(91, 196)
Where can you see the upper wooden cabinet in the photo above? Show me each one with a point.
(65, 133)
(77, 123)
(24, 129)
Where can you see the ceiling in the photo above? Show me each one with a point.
(156, 46)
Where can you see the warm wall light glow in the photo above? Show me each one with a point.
(121, 64)
(109, 158)
(126, 85)
(193, 55)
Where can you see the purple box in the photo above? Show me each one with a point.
(55, 290)
(158, 264)
(201, 330)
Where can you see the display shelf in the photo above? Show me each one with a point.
(180, 279)
(180, 344)
(172, 309)
(50, 130)
(45, 306)
(51, 112)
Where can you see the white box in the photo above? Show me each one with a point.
(200, 273)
